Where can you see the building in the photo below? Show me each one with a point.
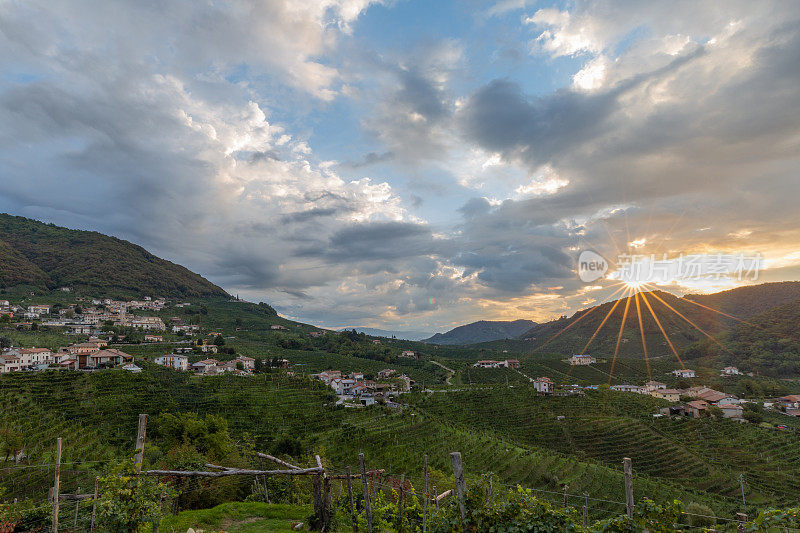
(650, 386)
(147, 323)
(732, 411)
(83, 348)
(277, 327)
(406, 382)
(792, 401)
(9, 362)
(316, 333)
(185, 328)
(696, 409)
(248, 363)
(671, 395)
(386, 373)
(39, 310)
(209, 348)
(683, 373)
(153, 338)
(206, 366)
(175, 361)
(512, 363)
(109, 357)
(715, 397)
(544, 385)
(581, 359)
(408, 353)
(367, 399)
(487, 364)
(627, 388)
(328, 376)
(731, 371)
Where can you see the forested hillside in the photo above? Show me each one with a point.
(482, 331)
(48, 256)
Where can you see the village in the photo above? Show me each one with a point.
(696, 401)
(356, 389)
(95, 318)
(88, 316)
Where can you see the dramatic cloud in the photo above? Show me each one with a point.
(350, 171)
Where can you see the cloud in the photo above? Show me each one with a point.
(189, 128)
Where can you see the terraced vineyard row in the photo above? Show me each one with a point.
(398, 442)
(708, 455)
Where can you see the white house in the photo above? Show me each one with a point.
(247, 362)
(408, 353)
(488, 364)
(39, 309)
(627, 388)
(147, 323)
(683, 373)
(543, 385)
(175, 361)
(650, 386)
(581, 359)
(328, 376)
(34, 356)
(731, 371)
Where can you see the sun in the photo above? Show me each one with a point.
(634, 285)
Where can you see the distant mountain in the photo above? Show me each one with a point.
(404, 335)
(36, 254)
(482, 331)
(751, 300)
(681, 318)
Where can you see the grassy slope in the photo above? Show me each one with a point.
(239, 517)
(47, 255)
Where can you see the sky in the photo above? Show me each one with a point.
(409, 164)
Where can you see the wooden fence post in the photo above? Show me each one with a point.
(566, 496)
(435, 501)
(94, 505)
(77, 504)
(626, 464)
(400, 497)
(57, 485)
(367, 504)
(461, 485)
(140, 436)
(741, 518)
(352, 503)
(586, 509)
(427, 497)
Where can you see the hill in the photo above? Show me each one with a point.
(744, 302)
(685, 320)
(768, 343)
(36, 254)
(403, 335)
(482, 331)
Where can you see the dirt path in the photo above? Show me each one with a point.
(452, 372)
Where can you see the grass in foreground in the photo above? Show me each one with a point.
(238, 517)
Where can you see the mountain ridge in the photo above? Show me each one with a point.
(47, 256)
(482, 331)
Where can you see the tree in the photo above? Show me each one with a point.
(219, 340)
(753, 417)
(128, 499)
(5, 342)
